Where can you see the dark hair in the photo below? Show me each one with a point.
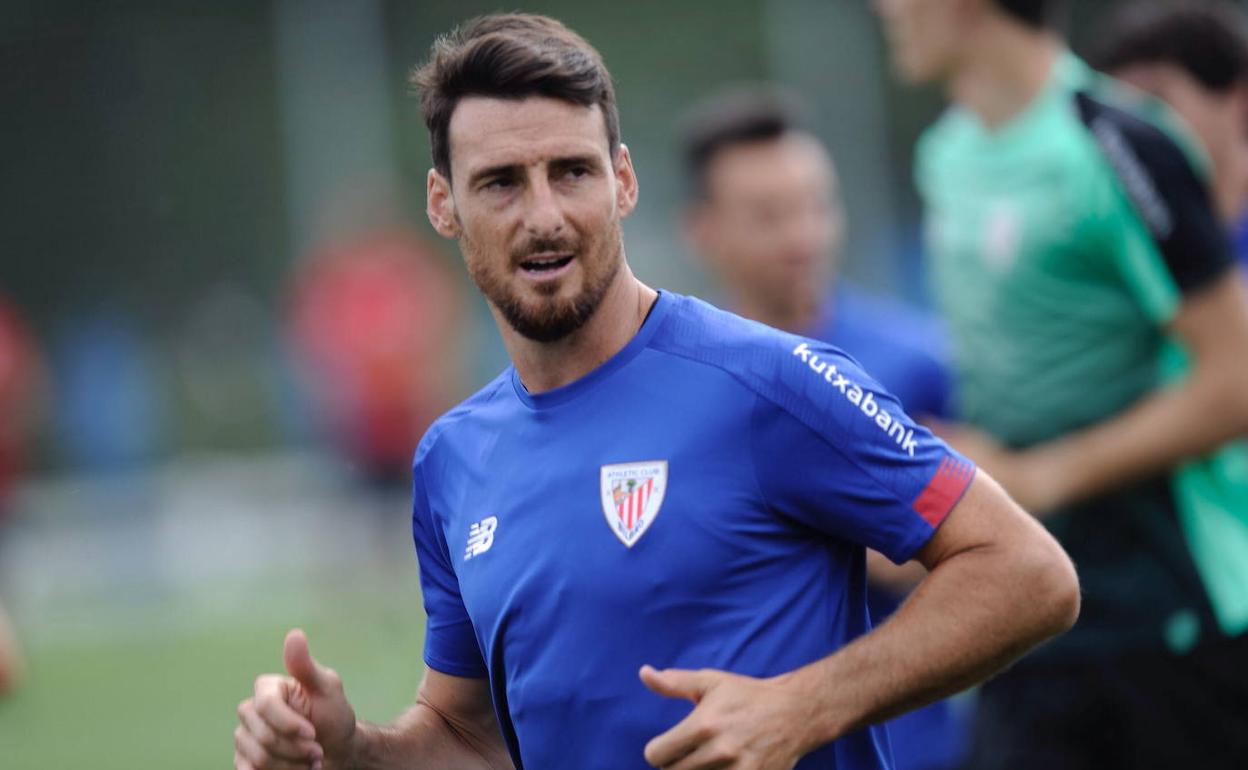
(510, 56)
(739, 115)
(1207, 40)
(1034, 13)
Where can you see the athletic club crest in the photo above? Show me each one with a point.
(632, 494)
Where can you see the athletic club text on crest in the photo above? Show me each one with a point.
(632, 494)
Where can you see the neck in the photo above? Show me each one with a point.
(798, 316)
(544, 366)
(1004, 68)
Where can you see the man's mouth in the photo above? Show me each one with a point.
(546, 263)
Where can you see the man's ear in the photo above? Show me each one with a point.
(625, 182)
(440, 205)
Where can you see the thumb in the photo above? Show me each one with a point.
(301, 665)
(678, 683)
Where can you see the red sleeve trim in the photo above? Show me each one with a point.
(944, 490)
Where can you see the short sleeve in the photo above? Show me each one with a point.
(834, 451)
(1158, 219)
(450, 642)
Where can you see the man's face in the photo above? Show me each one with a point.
(924, 36)
(771, 219)
(536, 201)
(1219, 120)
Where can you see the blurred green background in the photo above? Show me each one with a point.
(169, 169)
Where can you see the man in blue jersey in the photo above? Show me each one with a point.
(765, 216)
(642, 544)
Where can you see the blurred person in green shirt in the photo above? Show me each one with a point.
(1099, 336)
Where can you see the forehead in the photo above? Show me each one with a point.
(928, 17)
(792, 161)
(486, 131)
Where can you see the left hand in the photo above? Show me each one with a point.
(737, 722)
(1029, 476)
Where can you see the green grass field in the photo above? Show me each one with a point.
(137, 698)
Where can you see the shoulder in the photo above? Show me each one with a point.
(901, 323)
(1162, 172)
(797, 374)
(1143, 147)
(900, 345)
(461, 417)
(950, 129)
(698, 331)
(889, 326)
(941, 143)
(1105, 103)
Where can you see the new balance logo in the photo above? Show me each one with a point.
(892, 426)
(480, 537)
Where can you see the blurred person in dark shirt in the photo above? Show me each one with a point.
(764, 214)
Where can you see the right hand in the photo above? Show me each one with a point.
(298, 722)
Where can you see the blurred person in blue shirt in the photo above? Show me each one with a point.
(765, 216)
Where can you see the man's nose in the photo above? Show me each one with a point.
(543, 210)
(808, 231)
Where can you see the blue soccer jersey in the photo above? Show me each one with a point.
(700, 500)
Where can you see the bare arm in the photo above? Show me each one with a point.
(303, 720)
(896, 579)
(1169, 426)
(1209, 408)
(452, 726)
(998, 585)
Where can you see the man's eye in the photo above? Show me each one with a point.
(498, 183)
(576, 172)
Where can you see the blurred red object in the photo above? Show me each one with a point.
(376, 329)
(19, 375)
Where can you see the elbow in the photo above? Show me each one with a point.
(1055, 592)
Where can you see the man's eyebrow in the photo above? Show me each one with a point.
(511, 169)
(577, 160)
(502, 169)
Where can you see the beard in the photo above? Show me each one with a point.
(550, 318)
